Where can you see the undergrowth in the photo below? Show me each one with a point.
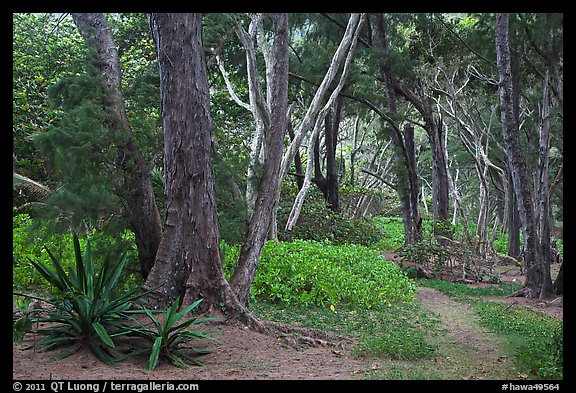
(306, 272)
(400, 331)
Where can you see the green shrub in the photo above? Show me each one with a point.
(322, 273)
(86, 310)
(31, 238)
(317, 222)
(393, 232)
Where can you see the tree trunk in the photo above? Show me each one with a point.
(538, 282)
(513, 220)
(299, 201)
(136, 194)
(329, 184)
(266, 201)
(331, 138)
(407, 185)
(440, 185)
(415, 219)
(188, 259)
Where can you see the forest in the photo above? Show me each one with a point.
(380, 195)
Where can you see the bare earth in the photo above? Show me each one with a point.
(242, 354)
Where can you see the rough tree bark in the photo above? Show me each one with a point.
(136, 192)
(538, 281)
(188, 259)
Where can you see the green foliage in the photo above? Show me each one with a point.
(434, 256)
(43, 49)
(81, 150)
(86, 312)
(537, 339)
(317, 222)
(393, 230)
(168, 337)
(322, 273)
(31, 237)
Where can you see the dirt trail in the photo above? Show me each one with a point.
(466, 350)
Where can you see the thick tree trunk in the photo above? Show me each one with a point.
(188, 259)
(136, 193)
(538, 282)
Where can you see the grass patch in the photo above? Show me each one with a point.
(400, 331)
(536, 340)
(460, 290)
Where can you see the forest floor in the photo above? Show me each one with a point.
(465, 351)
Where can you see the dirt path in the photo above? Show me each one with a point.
(465, 351)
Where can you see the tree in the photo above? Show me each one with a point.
(314, 113)
(269, 186)
(188, 258)
(407, 185)
(536, 248)
(136, 191)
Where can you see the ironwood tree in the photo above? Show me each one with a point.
(136, 191)
(188, 261)
(536, 234)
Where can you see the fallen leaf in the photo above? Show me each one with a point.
(523, 376)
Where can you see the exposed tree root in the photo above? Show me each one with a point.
(293, 336)
(522, 292)
(298, 336)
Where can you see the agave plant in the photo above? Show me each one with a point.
(85, 312)
(171, 336)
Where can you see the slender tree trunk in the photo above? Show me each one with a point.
(266, 201)
(329, 184)
(538, 282)
(136, 193)
(407, 185)
(331, 138)
(299, 201)
(513, 220)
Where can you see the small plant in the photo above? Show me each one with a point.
(85, 313)
(495, 279)
(168, 337)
